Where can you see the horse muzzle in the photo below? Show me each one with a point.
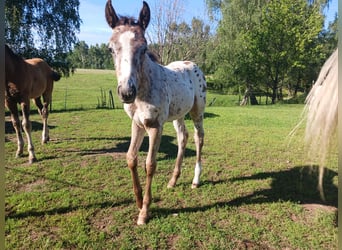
(127, 95)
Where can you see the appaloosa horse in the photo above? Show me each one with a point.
(152, 95)
(25, 80)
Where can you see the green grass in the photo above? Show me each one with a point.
(257, 191)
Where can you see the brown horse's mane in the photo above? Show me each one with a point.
(12, 54)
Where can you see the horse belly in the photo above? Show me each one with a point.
(181, 103)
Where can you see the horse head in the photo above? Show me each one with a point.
(129, 49)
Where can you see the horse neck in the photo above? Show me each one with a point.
(145, 76)
(14, 67)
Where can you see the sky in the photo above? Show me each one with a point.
(95, 30)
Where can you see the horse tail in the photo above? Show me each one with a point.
(321, 110)
(55, 76)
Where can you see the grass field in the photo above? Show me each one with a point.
(257, 192)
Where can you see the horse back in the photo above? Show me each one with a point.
(189, 86)
(190, 74)
(41, 76)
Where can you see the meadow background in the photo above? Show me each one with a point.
(258, 189)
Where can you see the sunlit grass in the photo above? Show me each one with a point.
(257, 189)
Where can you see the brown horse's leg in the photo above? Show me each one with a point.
(12, 106)
(182, 138)
(151, 164)
(44, 113)
(199, 138)
(25, 106)
(132, 161)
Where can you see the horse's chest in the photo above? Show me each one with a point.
(145, 115)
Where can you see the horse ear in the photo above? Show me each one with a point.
(111, 17)
(144, 17)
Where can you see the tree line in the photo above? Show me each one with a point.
(271, 47)
(265, 47)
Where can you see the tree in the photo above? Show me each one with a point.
(41, 28)
(268, 45)
(91, 57)
(231, 62)
(285, 44)
(166, 15)
(79, 55)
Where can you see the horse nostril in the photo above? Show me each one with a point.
(127, 95)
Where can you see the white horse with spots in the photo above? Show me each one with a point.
(152, 95)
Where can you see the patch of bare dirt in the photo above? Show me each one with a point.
(319, 207)
(32, 185)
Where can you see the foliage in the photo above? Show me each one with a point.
(40, 28)
(256, 192)
(270, 46)
(91, 57)
(185, 42)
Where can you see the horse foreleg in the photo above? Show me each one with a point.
(132, 161)
(26, 123)
(199, 138)
(182, 138)
(12, 106)
(151, 164)
(43, 111)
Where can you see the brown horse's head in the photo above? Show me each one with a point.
(129, 48)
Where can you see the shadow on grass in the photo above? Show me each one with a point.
(168, 147)
(65, 209)
(36, 126)
(298, 185)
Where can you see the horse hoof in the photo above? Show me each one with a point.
(19, 154)
(33, 160)
(44, 141)
(170, 185)
(141, 221)
(194, 185)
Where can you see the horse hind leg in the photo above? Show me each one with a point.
(44, 113)
(199, 139)
(12, 106)
(182, 138)
(26, 123)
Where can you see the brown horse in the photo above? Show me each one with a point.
(25, 80)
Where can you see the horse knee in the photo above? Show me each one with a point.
(150, 167)
(132, 162)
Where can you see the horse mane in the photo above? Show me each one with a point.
(153, 56)
(126, 20)
(12, 54)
